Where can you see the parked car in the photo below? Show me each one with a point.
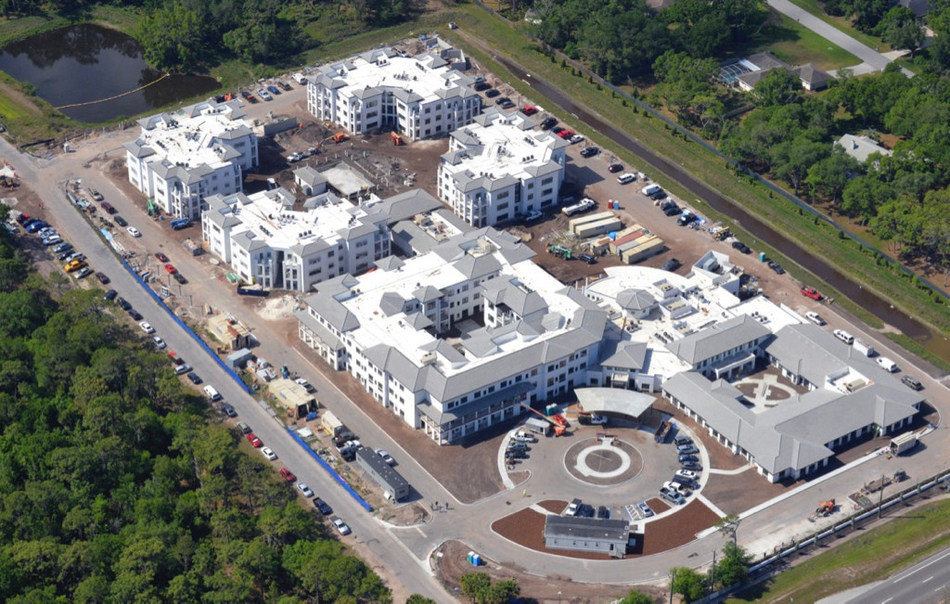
(576, 138)
(304, 489)
(95, 194)
(284, 85)
(685, 457)
(492, 93)
(268, 453)
(615, 167)
(73, 265)
(179, 278)
(523, 436)
(603, 513)
(273, 90)
(120, 221)
(912, 382)
(159, 343)
(815, 318)
(136, 315)
(532, 216)
(341, 526)
(672, 264)
(161, 257)
(645, 510)
(811, 292)
(102, 277)
(738, 245)
(322, 506)
(228, 409)
(288, 475)
(566, 134)
(516, 454)
(147, 327)
(195, 379)
(84, 272)
(110, 295)
(692, 465)
(589, 151)
(626, 178)
(170, 269)
(688, 448)
(548, 123)
(264, 94)
(480, 86)
(133, 231)
(62, 247)
(588, 258)
(386, 456)
(254, 440)
(688, 474)
(775, 266)
(672, 496)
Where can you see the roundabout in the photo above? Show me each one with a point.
(603, 461)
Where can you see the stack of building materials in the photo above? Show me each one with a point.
(640, 249)
(631, 233)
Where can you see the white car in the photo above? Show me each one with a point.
(814, 318)
(688, 474)
(303, 488)
(577, 138)
(522, 436)
(626, 178)
(159, 343)
(268, 453)
(599, 420)
(147, 327)
(341, 526)
(133, 231)
(532, 216)
(386, 457)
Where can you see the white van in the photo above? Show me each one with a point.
(651, 189)
(211, 393)
(887, 364)
(844, 336)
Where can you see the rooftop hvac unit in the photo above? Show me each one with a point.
(428, 358)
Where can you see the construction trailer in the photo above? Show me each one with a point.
(330, 424)
(538, 425)
(574, 223)
(903, 443)
(642, 248)
(393, 484)
(592, 229)
(294, 398)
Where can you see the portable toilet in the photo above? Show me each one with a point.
(550, 409)
(761, 256)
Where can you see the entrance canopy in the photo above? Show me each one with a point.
(614, 400)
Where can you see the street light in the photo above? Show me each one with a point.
(558, 597)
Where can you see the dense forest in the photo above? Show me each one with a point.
(778, 129)
(115, 486)
(187, 35)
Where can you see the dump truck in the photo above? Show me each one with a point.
(903, 443)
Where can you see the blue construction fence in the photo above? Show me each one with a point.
(346, 486)
(802, 205)
(187, 329)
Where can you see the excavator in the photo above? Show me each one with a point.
(339, 137)
(826, 508)
(396, 139)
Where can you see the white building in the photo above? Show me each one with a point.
(389, 329)
(419, 97)
(181, 158)
(266, 241)
(499, 167)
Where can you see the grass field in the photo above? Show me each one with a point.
(842, 24)
(11, 109)
(797, 45)
(872, 556)
(819, 239)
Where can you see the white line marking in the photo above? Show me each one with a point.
(941, 587)
(922, 567)
(927, 579)
(887, 600)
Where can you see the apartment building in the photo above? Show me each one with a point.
(458, 338)
(385, 90)
(265, 240)
(499, 168)
(181, 158)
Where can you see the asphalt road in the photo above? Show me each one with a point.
(923, 583)
(875, 60)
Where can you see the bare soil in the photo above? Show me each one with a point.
(677, 529)
(450, 563)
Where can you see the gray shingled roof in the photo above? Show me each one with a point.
(625, 355)
(635, 300)
(719, 338)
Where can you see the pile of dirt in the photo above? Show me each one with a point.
(277, 308)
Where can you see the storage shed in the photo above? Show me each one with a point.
(293, 397)
(385, 476)
(586, 535)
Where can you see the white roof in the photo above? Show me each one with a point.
(192, 137)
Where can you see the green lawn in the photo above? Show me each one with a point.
(872, 556)
(512, 41)
(10, 109)
(797, 45)
(842, 24)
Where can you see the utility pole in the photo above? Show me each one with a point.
(880, 499)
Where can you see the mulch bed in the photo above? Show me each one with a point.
(526, 528)
(554, 506)
(677, 529)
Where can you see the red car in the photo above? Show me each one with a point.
(162, 257)
(811, 292)
(566, 134)
(252, 438)
(529, 110)
(288, 475)
(170, 269)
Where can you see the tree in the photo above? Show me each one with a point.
(475, 586)
(171, 37)
(778, 86)
(419, 599)
(636, 597)
(830, 175)
(688, 583)
(900, 29)
(728, 525)
(734, 566)
(791, 160)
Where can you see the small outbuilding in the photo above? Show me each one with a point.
(586, 535)
(293, 397)
(385, 475)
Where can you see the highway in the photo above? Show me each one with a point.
(924, 583)
(371, 538)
